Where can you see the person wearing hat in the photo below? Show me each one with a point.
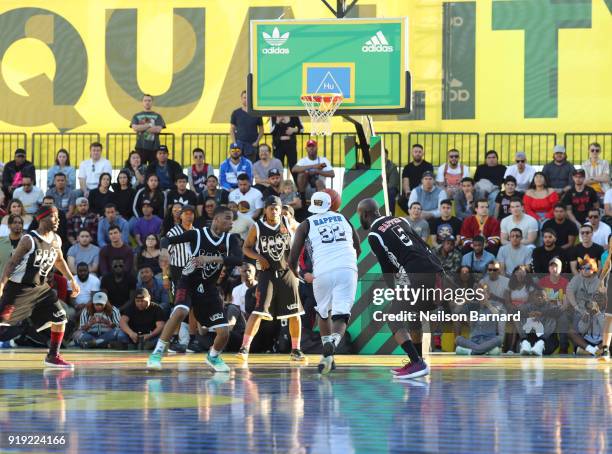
(334, 247)
(98, 323)
(167, 170)
(24, 292)
(312, 170)
(428, 195)
(579, 199)
(549, 250)
(263, 167)
(275, 179)
(147, 224)
(15, 170)
(141, 322)
(522, 171)
(147, 124)
(234, 166)
(269, 242)
(81, 219)
(559, 171)
(246, 130)
(448, 254)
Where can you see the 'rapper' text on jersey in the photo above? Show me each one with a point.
(330, 239)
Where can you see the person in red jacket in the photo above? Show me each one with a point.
(481, 224)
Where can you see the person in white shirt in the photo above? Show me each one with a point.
(312, 171)
(601, 230)
(247, 276)
(91, 169)
(451, 173)
(248, 199)
(29, 195)
(519, 220)
(88, 283)
(522, 171)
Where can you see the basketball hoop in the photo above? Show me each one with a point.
(321, 107)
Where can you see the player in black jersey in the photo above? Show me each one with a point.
(268, 242)
(23, 288)
(212, 248)
(401, 251)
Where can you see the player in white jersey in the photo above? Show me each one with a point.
(334, 247)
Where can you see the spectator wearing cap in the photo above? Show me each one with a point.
(444, 225)
(565, 230)
(521, 171)
(91, 169)
(82, 219)
(142, 322)
(448, 254)
(31, 196)
(262, 168)
(412, 174)
(248, 199)
(246, 130)
(312, 170)
(451, 173)
(519, 220)
(428, 195)
(416, 221)
(549, 250)
(481, 224)
(98, 324)
(147, 125)
(234, 166)
(585, 247)
(477, 259)
(559, 171)
(597, 171)
(514, 253)
(540, 199)
(167, 170)
(181, 194)
(199, 171)
(601, 230)
(147, 224)
(15, 170)
(115, 249)
(274, 186)
(503, 199)
(112, 217)
(580, 199)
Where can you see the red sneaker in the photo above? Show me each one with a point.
(57, 362)
(415, 370)
(397, 370)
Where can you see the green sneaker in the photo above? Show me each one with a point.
(154, 361)
(495, 351)
(217, 363)
(463, 351)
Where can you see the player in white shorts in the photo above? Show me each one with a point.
(334, 247)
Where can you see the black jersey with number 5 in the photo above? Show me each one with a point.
(398, 247)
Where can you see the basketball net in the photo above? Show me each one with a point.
(321, 107)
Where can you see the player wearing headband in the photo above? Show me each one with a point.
(24, 292)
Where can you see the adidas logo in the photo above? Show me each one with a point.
(275, 40)
(377, 43)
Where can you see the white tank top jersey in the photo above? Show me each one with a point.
(331, 241)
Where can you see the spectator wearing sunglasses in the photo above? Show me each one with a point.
(580, 199)
(601, 230)
(451, 173)
(597, 170)
(586, 247)
(522, 171)
(496, 281)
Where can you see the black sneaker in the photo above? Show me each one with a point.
(176, 347)
(195, 346)
(297, 355)
(328, 349)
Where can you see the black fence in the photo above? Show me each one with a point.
(9, 142)
(577, 145)
(120, 144)
(537, 146)
(437, 145)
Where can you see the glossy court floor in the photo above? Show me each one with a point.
(110, 403)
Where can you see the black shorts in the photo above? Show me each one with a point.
(206, 303)
(37, 302)
(421, 280)
(278, 295)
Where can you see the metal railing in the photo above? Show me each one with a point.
(577, 145)
(537, 146)
(9, 142)
(215, 146)
(437, 145)
(120, 144)
(46, 144)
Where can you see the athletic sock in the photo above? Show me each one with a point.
(160, 347)
(336, 338)
(213, 353)
(56, 341)
(246, 341)
(411, 351)
(419, 348)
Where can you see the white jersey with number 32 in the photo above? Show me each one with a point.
(331, 242)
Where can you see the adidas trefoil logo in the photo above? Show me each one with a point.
(275, 40)
(377, 43)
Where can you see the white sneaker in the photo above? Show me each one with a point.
(325, 365)
(538, 348)
(495, 351)
(592, 350)
(525, 348)
(463, 351)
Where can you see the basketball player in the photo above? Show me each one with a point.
(213, 247)
(268, 242)
(334, 246)
(400, 250)
(23, 286)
